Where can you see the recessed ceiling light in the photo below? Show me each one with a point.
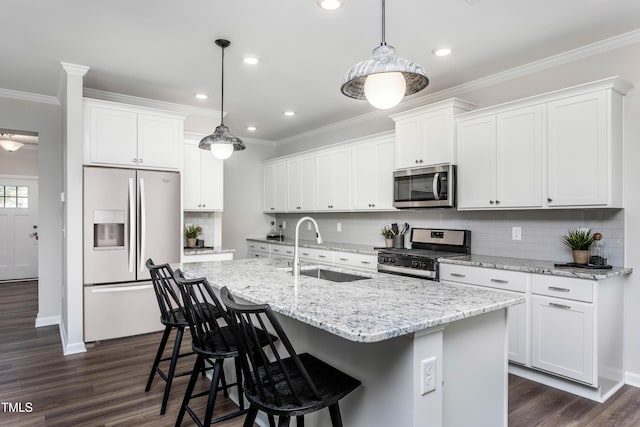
(251, 60)
(443, 51)
(251, 128)
(289, 113)
(201, 96)
(330, 4)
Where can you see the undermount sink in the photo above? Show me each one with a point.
(331, 275)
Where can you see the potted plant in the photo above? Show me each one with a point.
(388, 234)
(191, 232)
(579, 240)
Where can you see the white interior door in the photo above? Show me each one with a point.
(18, 228)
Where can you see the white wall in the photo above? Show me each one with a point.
(21, 162)
(46, 120)
(242, 216)
(622, 61)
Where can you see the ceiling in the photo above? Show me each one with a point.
(163, 49)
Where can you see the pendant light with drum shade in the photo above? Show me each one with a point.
(385, 78)
(221, 142)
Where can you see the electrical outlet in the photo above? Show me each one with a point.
(339, 227)
(308, 225)
(427, 375)
(284, 224)
(516, 233)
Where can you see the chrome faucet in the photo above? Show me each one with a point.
(295, 268)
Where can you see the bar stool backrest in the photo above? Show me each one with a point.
(203, 309)
(281, 381)
(169, 302)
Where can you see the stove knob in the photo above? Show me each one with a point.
(392, 260)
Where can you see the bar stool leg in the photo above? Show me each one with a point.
(213, 391)
(156, 361)
(251, 417)
(300, 421)
(172, 368)
(336, 419)
(187, 394)
(236, 362)
(283, 421)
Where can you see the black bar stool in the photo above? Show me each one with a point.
(291, 386)
(173, 318)
(211, 342)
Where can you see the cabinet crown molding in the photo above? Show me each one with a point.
(447, 103)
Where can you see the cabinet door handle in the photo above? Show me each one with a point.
(562, 306)
(417, 161)
(365, 262)
(322, 256)
(204, 205)
(553, 288)
(499, 281)
(305, 253)
(458, 275)
(135, 160)
(491, 202)
(497, 202)
(262, 247)
(289, 252)
(273, 209)
(549, 199)
(420, 160)
(343, 259)
(139, 160)
(276, 250)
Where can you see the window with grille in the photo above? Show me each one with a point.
(12, 196)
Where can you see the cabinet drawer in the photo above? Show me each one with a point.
(356, 260)
(282, 251)
(562, 287)
(259, 247)
(319, 255)
(489, 277)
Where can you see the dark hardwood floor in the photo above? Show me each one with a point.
(105, 385)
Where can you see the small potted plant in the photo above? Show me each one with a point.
(579, 240)
(388, 234)
(191, 232)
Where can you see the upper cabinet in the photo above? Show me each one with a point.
(557, 150)
(300, 183)
(333, 183)
(275, 185)
(124, 135)
(202, 178)
(426, 135)
(372, 165)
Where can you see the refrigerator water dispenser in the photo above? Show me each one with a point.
(108, 229)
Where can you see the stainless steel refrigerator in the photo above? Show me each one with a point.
(129, 216)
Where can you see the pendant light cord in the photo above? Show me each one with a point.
(383, 25)
(222, 90)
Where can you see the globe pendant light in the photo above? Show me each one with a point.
(9, 144)
(385, 78)
(221, 142)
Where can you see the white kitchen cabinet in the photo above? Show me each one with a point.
(500, 160)
(259, 250)
(124, 135)
(584, 150)
(372, 174)
(562, 333)
(202, 178)
(275, 186)
(333, 179)
(300, 183)
(510, 281)
(426, 135)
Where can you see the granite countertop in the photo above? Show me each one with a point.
(377, 309)
(535, 266)
(331, 246)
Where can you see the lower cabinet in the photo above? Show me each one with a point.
(569, 327)
(259, 250)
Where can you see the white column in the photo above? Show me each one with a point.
(72, 295)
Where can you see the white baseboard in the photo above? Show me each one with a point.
(47, 321)
(632, 379)
(70, 348)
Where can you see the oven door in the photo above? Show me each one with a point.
(424, 187)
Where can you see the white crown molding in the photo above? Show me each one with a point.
(75, 69)
(601, 46)
(150, 103)
(27, 96)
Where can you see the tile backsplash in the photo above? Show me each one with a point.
(491, 231)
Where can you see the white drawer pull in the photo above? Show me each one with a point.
(553, 288)
(458, 275)
(499, 281)
(344, 259)
(365, 262)
(562, 306)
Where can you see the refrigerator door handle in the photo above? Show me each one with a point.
(143, 228)
(132, 226)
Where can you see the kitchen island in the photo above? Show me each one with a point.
(386, 331)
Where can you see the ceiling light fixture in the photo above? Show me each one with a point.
(201, 96)
(221, 142)
(251, 60)
(330, 4)
(251, 128)
(443, 51)
(289, 113)
(385, 78)
(9, 144)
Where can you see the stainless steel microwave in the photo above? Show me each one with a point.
(429, 187)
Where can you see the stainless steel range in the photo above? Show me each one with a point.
(427, 245)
